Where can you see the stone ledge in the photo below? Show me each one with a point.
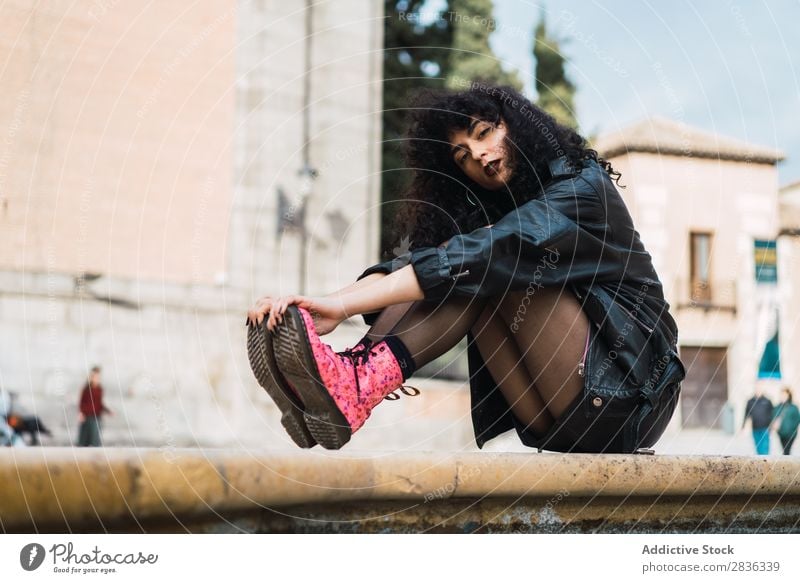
(66, 489)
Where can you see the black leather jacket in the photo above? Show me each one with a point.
(576, 234)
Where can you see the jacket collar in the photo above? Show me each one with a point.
(560, 167)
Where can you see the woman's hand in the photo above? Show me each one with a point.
(327, 312)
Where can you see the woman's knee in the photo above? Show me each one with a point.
(536, 302)
(484, 322)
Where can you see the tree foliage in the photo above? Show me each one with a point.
(472, 57)
(416, 54)
(556, 93)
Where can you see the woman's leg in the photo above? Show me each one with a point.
(504, 362)
(429, 330)
(534, 362)
(550, 330)
(425, 328)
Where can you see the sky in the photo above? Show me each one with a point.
(728, 67)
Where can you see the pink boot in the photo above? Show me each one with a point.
(339, 389)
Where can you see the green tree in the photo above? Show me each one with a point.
(472, 59)
(417, 53)
(556, 92)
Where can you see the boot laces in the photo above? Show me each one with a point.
(406, 390)
(359, 354)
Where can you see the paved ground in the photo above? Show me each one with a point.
(437, 420)
(687, 442)
(714, 442)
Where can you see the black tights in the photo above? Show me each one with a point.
(531, 344)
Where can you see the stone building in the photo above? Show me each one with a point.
(789, 274)
(706, 207)
(152, 185)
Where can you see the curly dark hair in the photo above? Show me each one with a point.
(435, 205)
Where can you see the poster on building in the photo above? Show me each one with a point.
(766, 261)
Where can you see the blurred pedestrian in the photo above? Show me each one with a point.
(8, 436)
(786, 420)
(759, 411)
(91, 410)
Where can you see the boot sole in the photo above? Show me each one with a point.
(296, 361)
(262, 362)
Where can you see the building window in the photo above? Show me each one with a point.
(701, 267)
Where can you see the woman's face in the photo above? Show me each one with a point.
(480, 152)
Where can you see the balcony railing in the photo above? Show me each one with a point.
(719, 294)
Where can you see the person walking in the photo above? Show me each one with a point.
(91, 409)
(759, 411)
(518, 240)
(786, 420)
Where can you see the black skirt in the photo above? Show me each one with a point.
(611, 421)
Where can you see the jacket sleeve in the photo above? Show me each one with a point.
(389, 266)
(558, 239)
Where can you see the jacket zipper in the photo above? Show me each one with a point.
(642, 324)
(582, 363)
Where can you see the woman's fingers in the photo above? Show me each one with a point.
(304, 302)
(279, 307)
(255, 315)
(288, 301)
(271, 317)
(262, 309)
(273, 309)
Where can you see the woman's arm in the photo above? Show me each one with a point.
(396, 288)
(263, 305)
(363, 282)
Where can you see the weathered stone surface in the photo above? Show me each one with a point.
(55, 489)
